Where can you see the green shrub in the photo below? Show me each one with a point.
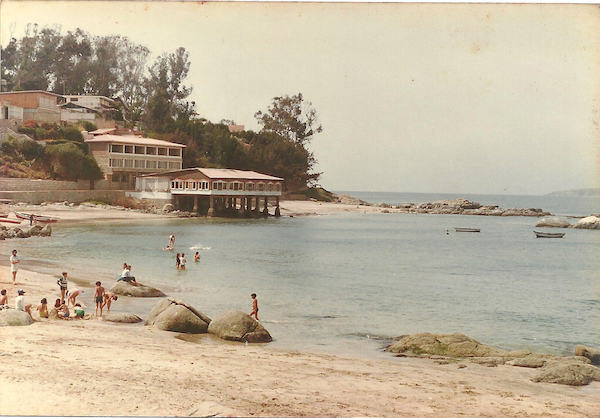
(72, 134)
(30, 149)
(88, 126)
(27, 131)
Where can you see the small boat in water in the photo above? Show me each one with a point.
(549, 234)
(467, 230)
(38, 218)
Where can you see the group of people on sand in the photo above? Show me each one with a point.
(66, 306)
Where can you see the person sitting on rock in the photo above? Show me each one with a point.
(3, 298)
(126, 275)
(21, 305)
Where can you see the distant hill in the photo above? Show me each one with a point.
(577, 192)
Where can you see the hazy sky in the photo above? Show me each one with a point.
(412, 97)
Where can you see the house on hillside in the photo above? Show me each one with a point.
(123, 159)
(36, 105)
(95, 109)
(213, 191)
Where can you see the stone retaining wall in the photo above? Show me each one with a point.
(72, 196)
(16, 184)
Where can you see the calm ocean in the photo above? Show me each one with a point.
(347, 283)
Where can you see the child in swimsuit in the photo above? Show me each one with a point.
(99, 297)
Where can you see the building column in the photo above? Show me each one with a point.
(211, 209)
(277, 211)
(195, 208)
(265, 212)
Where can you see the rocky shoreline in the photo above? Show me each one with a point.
(460, 206)
(577, 370)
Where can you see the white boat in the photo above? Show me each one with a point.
(467, 230)
(38, 218)
(549, 234)
(12, 221)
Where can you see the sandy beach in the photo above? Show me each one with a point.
(93, 367)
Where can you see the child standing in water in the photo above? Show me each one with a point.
(254, 306)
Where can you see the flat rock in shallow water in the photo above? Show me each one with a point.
(239, 326)
(14, 318)
(123, 288)
(451, 345)
(552, 222)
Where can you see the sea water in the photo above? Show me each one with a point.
(348, 283)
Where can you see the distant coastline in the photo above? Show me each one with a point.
(576, 192)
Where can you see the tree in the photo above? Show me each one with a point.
(291, 118)
(166, 92)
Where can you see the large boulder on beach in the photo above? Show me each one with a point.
(590, 222)
(124, 288)
(450, 345)
(35, 230)
(239, 326)
(14, 318)
(177, 316)
(46, 231)
(123, 318)
(568, 374)
(552, 222)
(591, 353)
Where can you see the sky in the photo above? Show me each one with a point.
(430, 98)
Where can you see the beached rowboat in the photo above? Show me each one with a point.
(467, 230)
(549, 234)
(12, 221)
(38, 218)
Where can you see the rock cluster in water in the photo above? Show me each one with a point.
(589, 222)
(16, 232)
(575, 371)
(448, 207)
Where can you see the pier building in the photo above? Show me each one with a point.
(218, 191)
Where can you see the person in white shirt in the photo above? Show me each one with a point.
(14, 265)
(20, 303)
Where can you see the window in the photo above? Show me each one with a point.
(140, 164)
(249, 186)
(150, 164)
(174, 152)
(278, 187)
(115, 162)
(162, 164)
(116, 148)
(116, 177)
(175, 165)
(261, 187)
(203, 185)
(128, 149)
(162, 151)
(151, 150)
(128, 163)
(140, 149)
(193, 185)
